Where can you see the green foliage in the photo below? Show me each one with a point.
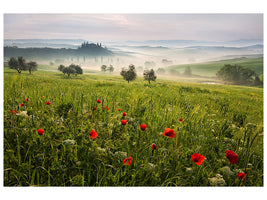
(216, 118)
(71, 69)
(32, 66)
(21, 65)
(104, 68)
(149, 75)
(210, 68)
(238, 75)
(111, 68)
(130, 74)
(18, 64)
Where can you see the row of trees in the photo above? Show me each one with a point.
(237, 74)
(20, 64)
(105, 68)
(130, 74)
(71, 69)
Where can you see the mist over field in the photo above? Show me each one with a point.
(143, 54)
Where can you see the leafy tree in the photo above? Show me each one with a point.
(104, 68)
(32, 66)
(130, 74)
(61, 68)
(236, 74)
(149, 75)
(77, 68)
(111, 68)
(69, 71)
(17, 64)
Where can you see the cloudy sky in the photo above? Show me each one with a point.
(140, 27)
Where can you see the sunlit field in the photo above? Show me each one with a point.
(97, 130)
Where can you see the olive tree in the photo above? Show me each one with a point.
(129, 74)
(149, 75)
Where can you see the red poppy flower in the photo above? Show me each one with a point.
(22, 104)
(47, 103)
(98, 101)
(27, 99)
(107, 108)
(93, 134)
(154, 146)
(197, 158)
(127, 161)
(143, 127)
(13, 111)
(232, 157)
(118, 109)
(242, 176)
(169, 132)
(95, 108)
(40, 131)
(181, 119)
(124, 114)
(123, 122)
(104, 107)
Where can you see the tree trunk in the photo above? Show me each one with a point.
(30, 71)
(68, 75)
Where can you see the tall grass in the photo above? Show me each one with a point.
(216, 119)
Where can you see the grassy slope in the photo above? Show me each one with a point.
(210, 68)
(211, 113)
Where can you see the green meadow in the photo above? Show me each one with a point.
(209, 69)
(206, 119)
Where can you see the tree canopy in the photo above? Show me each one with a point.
(237, 74)
(21, 65)
(71, 69)
(149, 75)
(130, 74)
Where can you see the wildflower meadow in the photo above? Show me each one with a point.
(95, 130)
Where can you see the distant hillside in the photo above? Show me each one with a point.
(210, 68)
(88, 50)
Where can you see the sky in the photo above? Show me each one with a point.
(134, 26)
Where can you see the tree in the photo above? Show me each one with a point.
(61, 68)
(130, 74)
(77, 68)
(236, 74)
(104, 68)
(149, 75)
(32, 66)
(71, 69)
(111, 68)
(17, 64)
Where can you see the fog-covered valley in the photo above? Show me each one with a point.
(143, 54)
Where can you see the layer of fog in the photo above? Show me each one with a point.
(149, 54)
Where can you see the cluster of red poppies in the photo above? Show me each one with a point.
(230, 155)
(198, 159)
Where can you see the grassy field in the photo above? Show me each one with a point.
(206, 119)
(210, 68)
